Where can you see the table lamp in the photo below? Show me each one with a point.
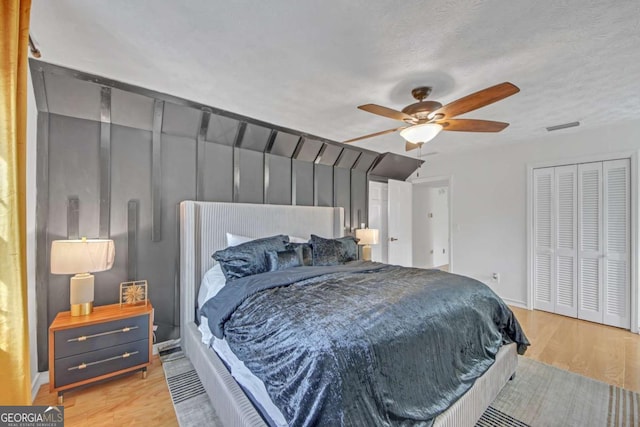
(367, 237)
(81, 257)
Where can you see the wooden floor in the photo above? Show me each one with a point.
(126, 401)
(604, 353)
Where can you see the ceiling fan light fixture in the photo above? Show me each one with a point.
(423, 118)
(421, 133)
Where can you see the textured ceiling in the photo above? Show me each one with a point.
(307, 65)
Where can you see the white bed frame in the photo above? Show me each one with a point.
(203, 226)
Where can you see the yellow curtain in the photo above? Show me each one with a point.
(15, 387)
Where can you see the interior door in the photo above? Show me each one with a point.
(566, 263)
(543, 235)
(400, 223)
(616, 260)
(378, 212)
(590, 255)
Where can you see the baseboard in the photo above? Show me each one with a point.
(40, 379)
(515, 303)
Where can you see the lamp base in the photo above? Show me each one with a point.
(366, 253)
(81, 294)
(81, 309)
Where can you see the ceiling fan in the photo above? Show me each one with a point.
(425, 119)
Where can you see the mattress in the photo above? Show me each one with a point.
(247, 380)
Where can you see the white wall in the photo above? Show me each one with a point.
(489, 202)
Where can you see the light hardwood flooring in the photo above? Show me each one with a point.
(604, 353)
(126, 401)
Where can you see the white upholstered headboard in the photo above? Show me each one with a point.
(203, 228)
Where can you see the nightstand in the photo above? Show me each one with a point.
(110, 341)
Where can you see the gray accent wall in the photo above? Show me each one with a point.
(115, 160)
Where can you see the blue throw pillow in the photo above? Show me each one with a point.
(249, 258)
(334, 251)
(281, 260)
(304, 251)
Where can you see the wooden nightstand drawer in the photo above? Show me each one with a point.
(80, 367)
(109, 341)
(102, 335)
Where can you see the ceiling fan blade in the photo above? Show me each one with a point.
(477, 100)
(429, 154)
(384, 132)
(408, 146)
(386, 112)
(471, 125)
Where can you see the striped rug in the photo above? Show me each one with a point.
(540, 395)
(190, 400)
(493, 418)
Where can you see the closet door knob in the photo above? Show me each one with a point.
(393, 239)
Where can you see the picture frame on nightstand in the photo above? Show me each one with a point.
(133, 293)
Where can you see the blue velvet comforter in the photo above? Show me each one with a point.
(363, 344)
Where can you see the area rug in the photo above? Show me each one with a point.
(189, 397)
(540, 395)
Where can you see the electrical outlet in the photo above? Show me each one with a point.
(495, 277)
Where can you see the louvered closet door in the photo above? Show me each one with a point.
(616, 232)
(590, 290)
(566, 242)
(543, 232)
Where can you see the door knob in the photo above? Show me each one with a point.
(393, 239)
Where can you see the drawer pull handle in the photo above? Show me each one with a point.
(101, 334)
(84, 365)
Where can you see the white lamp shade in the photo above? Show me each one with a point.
(421, 133)
(81, 256)
(367, 236)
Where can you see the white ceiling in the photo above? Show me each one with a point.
(307, 65)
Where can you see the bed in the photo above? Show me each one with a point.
(203, 226)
